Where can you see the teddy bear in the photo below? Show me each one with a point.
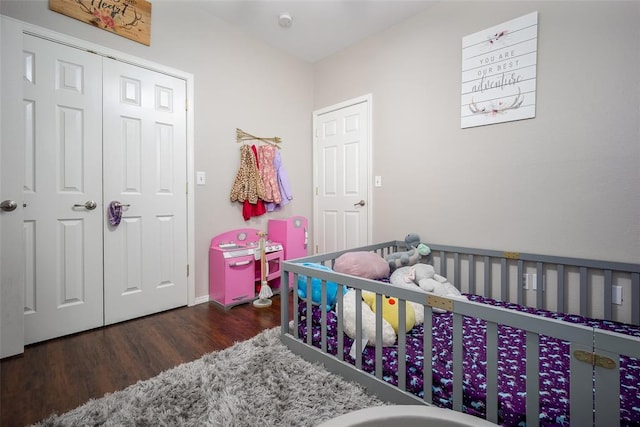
(415, 252)
(389, 317)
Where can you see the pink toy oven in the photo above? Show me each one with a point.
(234, 266)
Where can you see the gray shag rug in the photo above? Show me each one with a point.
(257, 382)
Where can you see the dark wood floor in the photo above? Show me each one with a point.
(61, 374)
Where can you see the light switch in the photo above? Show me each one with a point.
(377, 181)
(200, 178)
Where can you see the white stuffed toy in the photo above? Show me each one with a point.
(422, 277)
(368, 321)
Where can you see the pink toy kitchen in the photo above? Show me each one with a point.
(235, 259)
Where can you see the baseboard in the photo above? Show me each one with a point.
(201, 299)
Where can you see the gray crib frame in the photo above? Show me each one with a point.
(597, 346)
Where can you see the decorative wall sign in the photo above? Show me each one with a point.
(499, 73)
(127, 18)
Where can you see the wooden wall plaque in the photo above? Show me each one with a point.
(127, 18)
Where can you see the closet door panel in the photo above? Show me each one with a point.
(63, 189)
(145, 171)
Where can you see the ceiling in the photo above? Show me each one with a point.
(319, 28)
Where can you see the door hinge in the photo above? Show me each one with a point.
(594, 359)
(317, 133)
(317, 249)
(187, 270)
(316, 191)
(186, 104)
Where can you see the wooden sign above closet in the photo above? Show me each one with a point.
(126, 18)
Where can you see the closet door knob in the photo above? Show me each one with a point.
(8, 205)
(360, 203)
(89, 205)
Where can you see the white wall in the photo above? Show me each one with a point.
(239, 82)
(566, 182)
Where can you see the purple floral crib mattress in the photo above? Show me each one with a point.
(554, 364)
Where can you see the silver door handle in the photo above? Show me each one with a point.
(8, 205)
(89, 205)
(360, 203)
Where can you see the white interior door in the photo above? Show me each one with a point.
(145, 158)
(62, 190)
(342, 175)
(11, 173)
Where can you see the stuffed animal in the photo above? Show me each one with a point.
(409, 257)
(390, 311)
(422, 277)
(368, 321)
(316, 287)
(418, 274)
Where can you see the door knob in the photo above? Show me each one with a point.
(8, 205)
(89, 205)
(360, 203)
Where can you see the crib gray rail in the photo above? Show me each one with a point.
(558, 282)
(593, 352)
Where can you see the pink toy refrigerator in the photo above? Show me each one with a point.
(292, 234)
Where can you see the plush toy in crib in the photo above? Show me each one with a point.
(411, 256)
(316, 287)
(389, 333)
(423, 277)
(390, 311)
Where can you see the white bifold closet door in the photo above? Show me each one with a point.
(62, 102)
(145, 161)
(96, 131)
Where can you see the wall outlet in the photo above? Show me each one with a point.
(530, 281)
(616, 295)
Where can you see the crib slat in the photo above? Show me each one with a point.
(520, 281)
(487, 277)
(492, 372)
(472, 275)
(402, 345)
(296, 315)
(560, 291)
(608, 289)
(584, 301)
(456, 270)
(378, 337)
(443, 263)
(427, 346)
(457, 361)
(540, 302)
(503, 280)
(309, 311)
(358, 342)
(284, 310)
(323, 311)
(635, 298)
(340, 311)
(533, 369)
